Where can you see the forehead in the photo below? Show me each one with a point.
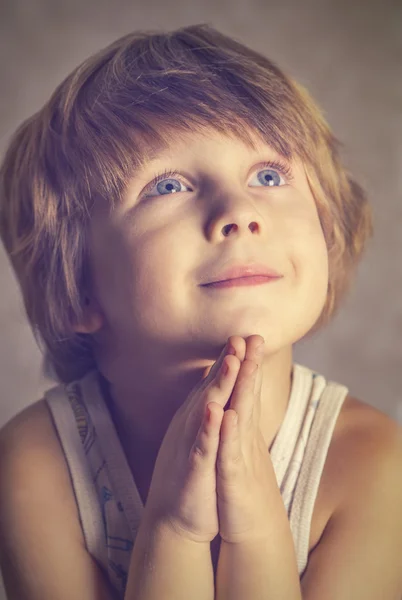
(175, 141)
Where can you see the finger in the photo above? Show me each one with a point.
(236, 346)
(221, 386)
(229, 457)
(259, 359)
(203, 452)
(257, 395)
(243, 395)
(255, 352)
(217, 390)
(252, 343)
(211, 371)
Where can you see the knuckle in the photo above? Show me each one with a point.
(199, 451)
(228, 470)
(236, 461)
(230, 466)
(213, 393)
(198, 460)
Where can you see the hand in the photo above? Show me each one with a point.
(182, 494)
(244, 468)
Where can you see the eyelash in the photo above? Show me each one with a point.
(279, 166)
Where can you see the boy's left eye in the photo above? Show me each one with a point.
(270, 177)
(169, 182)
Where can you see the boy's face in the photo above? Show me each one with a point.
(151, 256)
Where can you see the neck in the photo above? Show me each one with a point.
(143, 408)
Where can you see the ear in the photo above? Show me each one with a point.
(92, 319)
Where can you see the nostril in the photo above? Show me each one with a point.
(228, 228)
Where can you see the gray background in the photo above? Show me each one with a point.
(348, 54)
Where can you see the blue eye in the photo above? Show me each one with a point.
(169, 186)
(165, 184)
(269, 177)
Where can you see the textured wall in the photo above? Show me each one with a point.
(348, 54)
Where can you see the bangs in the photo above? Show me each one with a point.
(119, 118)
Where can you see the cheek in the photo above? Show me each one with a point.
(155, 266)
(315, 269)
(308, 247)
(110, 270)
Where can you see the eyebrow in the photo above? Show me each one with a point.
(150, 154)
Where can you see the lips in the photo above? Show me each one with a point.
(243, 271)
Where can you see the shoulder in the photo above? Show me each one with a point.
(366, 430)
(366, 444)
(32, 429)
(31, 458)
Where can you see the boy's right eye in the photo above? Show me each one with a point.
(166, 183)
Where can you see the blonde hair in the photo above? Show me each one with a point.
(84, 145)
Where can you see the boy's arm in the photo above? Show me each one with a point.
(166, 566)
(259, 570)
(359, 556)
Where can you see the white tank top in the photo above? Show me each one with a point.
(108, 500)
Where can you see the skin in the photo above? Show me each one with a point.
(156, 329)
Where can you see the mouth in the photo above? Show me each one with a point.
(241, 274)
(242, 281)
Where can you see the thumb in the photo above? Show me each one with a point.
(207, 371)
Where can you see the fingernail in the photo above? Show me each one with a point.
(231, 350)
(260, 348)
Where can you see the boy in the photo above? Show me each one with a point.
(179, 194)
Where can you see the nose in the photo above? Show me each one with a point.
(235, 217)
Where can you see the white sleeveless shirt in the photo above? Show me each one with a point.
(108, 500)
